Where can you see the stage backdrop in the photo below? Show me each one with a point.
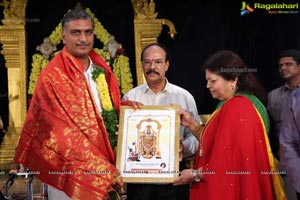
(203, 28)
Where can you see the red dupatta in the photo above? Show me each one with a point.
(64, 139)
(235, 156)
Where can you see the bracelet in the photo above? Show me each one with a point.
(196, 178)
(198, 129)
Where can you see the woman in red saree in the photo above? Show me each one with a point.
(234, 159)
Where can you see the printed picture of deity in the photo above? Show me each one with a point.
(148, 144)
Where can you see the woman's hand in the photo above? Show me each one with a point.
(186, 177)
(189, 122)
(189, 176)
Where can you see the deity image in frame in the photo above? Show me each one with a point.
(147, 138)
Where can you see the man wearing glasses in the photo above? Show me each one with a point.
(158, 91)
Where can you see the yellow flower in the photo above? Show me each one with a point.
(104, 93)
(121, 70)
(104, 55)
(55, 36)
(37, 61)
(109, 113)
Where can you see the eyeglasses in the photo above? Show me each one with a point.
(155, 62)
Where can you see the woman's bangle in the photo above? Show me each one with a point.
(196, 178)
(198, 128)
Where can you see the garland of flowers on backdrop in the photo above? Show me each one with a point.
(119, 63)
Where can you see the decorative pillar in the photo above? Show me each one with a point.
(13, 40)
(146, 30)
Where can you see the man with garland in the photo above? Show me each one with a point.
(65, 140)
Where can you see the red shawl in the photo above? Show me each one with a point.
(235, 156)
(64, 140)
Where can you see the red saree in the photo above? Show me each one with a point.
(235, 157)
(64, 139)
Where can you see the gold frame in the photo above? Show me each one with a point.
(148, 144)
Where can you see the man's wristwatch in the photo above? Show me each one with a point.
(195, 176)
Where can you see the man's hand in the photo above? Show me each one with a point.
(117, 180)
(22, 169)
(134, 104)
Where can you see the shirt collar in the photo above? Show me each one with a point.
(166, 89)
(286, 87)
(91, 66)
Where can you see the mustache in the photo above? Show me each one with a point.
(152, 71)
(83, 44)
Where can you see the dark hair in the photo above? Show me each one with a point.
(229, 65)
(291, 53)
(74, 14)
(156, 44)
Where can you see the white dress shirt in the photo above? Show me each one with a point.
(92, 84)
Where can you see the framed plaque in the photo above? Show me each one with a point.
(148, 144)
